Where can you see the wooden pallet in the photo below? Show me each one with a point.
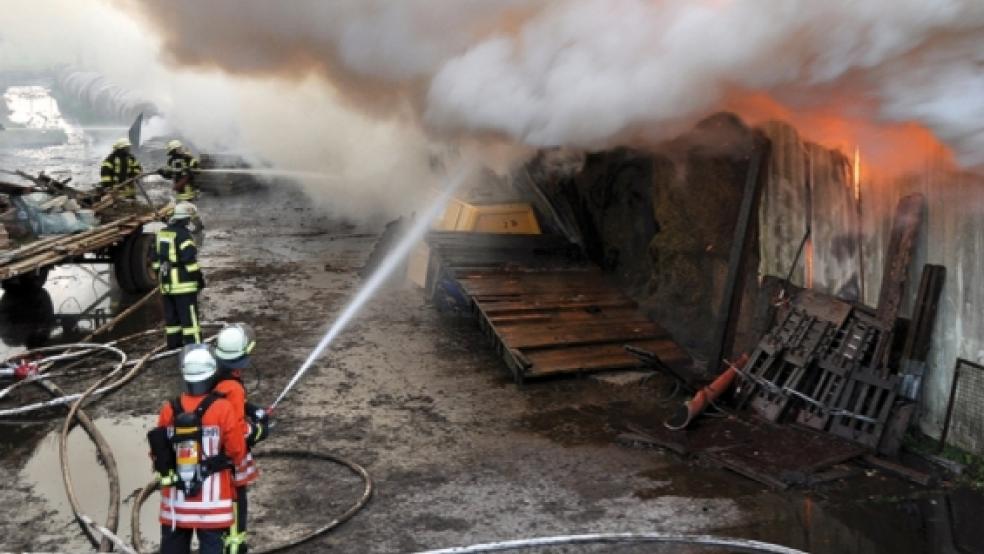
(545, 309)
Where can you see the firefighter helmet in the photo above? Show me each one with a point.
(234, 345)
(184, 210)
(197, 369)
(121, 144)
(173, 145)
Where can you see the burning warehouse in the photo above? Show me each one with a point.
(582, 275)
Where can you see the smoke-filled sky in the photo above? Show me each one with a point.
(358, 78)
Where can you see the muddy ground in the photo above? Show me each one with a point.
(459, 454)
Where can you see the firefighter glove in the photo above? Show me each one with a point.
(257, 414)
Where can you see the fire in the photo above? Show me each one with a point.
(891, 149)
(856, 167)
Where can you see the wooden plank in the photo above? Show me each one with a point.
(623, 315)
(578, 333)
(728, 312)
(742, 467)
(548, 299)
(598, 356)
(552, 285)
(534, 305)
(918, 477)
(905, 230)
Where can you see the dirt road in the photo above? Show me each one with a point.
(458, 452)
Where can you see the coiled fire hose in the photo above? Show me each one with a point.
(104, 537)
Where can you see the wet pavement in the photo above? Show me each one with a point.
(458, 452)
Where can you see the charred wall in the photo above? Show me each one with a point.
(810, 185)
(662, 221)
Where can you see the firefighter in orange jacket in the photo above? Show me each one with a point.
(233, 347)
(196, 445)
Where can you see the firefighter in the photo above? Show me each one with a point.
(180, 276)
(181, 167)
(120, 167)
(233, 347)
(195, 446)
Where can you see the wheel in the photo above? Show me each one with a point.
(27, 318)
(27, 282)
(141, 256)
(121, 265)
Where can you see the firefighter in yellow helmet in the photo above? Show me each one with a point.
(176, 262)
(120, 167)
(181, 167)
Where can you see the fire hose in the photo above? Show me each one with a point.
(112, 519)
(86, 348)
(104, 537)
(741, 545)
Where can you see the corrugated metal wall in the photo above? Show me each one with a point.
(812, 185)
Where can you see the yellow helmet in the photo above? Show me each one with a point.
(173, 145)
(121, 144)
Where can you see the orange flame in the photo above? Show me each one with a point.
(856, 166)
(891, 149)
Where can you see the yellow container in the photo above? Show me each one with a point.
(514, 218)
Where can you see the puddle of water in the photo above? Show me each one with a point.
(127, 438)
(928, 522)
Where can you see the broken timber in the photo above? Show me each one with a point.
(741, 247)
(66, 248)
(545, 309)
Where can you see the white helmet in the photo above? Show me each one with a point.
(173, 145)
(234, 345)
(197, 369)
(122, 143)
(184, 210)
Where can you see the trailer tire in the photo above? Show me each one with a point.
(121, 265)
(27, 282)
(142, 275)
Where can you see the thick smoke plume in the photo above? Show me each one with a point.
(589, 73)
(105, 58)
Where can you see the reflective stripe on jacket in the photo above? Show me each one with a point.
(176, 246)
(118, 166)
(181, 164)
(221, 433)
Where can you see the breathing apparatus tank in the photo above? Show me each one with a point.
(198, 373)
(187, 441)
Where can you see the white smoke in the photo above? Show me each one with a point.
(103, 97)
(372, 165)
(289, 81)
(589, 72)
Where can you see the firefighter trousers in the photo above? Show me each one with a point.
(181, 319)
(178, 541)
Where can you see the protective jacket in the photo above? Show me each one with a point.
(177, 260)
(212, 507)
(180, 167)
(118, 167)
(231, 387)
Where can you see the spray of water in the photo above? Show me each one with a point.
(269, 172)
(388, 265)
